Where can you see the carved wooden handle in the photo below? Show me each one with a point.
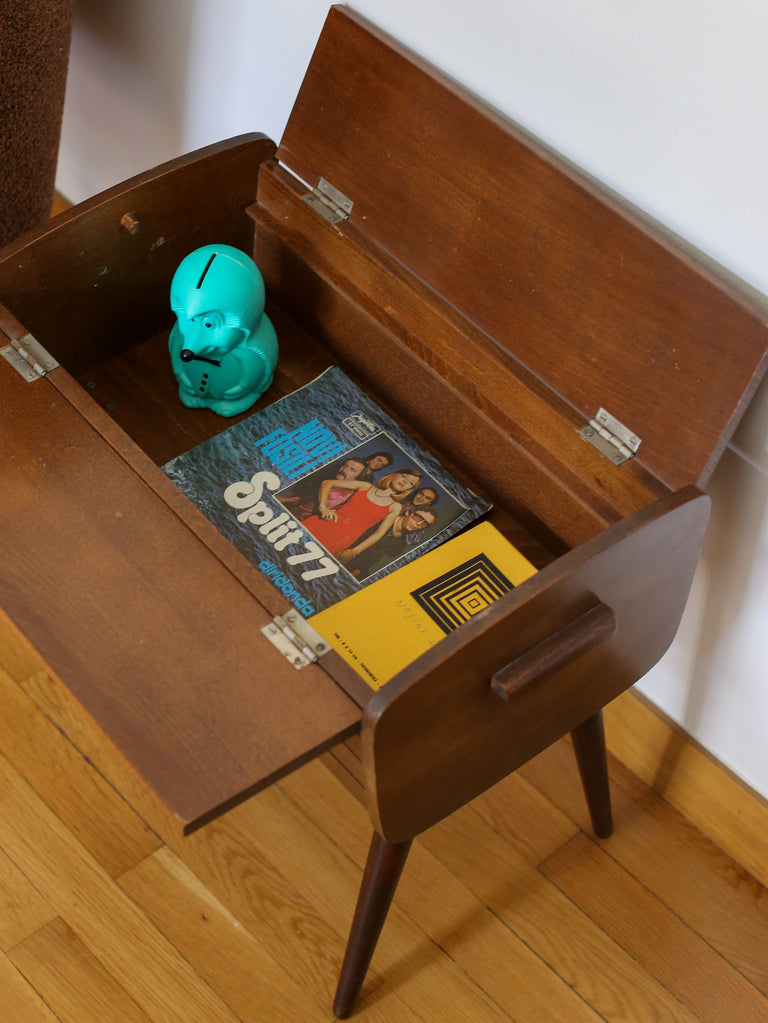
(556, 651)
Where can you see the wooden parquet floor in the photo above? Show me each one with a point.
(509, 910)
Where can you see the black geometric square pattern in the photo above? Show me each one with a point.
(457, 595)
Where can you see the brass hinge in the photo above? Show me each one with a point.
(295, 638)
(329, 202)
(29, 358)
(611, 437)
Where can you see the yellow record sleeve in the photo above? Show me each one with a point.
(386, 625)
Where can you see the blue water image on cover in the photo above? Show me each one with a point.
(323, 492)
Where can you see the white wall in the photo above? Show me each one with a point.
(663, 100)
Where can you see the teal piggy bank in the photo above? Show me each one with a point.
(223, 347)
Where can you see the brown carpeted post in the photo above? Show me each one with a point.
(34, 57)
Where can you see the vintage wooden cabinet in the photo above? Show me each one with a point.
(483, 291)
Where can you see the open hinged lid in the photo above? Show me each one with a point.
(137, 604)
(595, 303)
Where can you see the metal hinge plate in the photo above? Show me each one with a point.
(29, 358)
(611, 437)
(329, 202)
(295, 638)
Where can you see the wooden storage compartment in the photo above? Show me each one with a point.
(484, 293)
(136, 388)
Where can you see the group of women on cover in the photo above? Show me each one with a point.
(366, 522)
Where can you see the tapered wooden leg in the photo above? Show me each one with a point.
(382, 872)
(589, 745)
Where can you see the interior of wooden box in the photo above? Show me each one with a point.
(136, 387)
(124, 366)
(335, 298)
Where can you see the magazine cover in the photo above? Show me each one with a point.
(323, 492)
(384, 627)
